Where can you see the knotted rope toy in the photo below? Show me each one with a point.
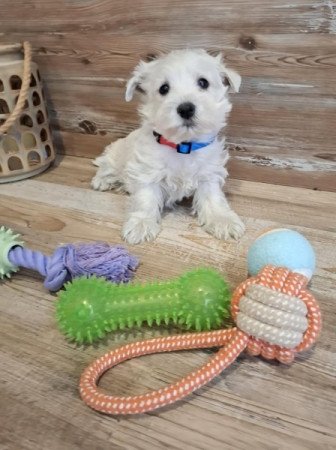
(89, 308)
(67, 262)
(276, 318)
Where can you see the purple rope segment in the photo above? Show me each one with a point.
(69, 261)
(24, 257)
(113, 263)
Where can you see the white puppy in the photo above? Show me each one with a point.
(185, 101)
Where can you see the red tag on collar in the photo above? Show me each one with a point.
(164, 141)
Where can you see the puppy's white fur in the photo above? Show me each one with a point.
(156, 175)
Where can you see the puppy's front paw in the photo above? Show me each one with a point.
(101, 183)
(224, 226)
(137, 230)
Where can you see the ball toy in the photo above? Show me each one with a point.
(113, 263)
(283, 248)
(89, 308)
(275, 315)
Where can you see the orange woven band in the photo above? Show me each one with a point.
(232, 342)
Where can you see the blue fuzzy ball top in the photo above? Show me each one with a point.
(282, 248)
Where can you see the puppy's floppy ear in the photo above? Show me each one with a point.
(136, 80)
(229, 76)
(233, 79)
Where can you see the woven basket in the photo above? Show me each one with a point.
(26, 147)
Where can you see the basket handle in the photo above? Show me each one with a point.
(23, 92)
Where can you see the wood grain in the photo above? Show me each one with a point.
(294, 156)
(86, 54)
(283, 119)
(102, 15)
(254, 404)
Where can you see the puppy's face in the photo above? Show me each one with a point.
(185, 94)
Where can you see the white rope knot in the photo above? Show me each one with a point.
(272, 316)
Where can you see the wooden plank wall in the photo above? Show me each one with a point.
(283, 125)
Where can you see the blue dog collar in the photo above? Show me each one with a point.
(184, 147)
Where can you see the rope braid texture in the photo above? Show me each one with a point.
(114, 263)
(51, 267)
(26, 76)
(271, 309)
(99, 259)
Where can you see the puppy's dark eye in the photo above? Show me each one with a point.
(203, 83)
(164, 89)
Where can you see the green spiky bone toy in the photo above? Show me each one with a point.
(90, 308)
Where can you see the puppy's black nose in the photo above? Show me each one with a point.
(186, 110)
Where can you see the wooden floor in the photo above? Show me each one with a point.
(253, 405)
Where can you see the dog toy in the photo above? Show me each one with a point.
(276, 318)
(89, 308)
(282, 247)
(68, 261)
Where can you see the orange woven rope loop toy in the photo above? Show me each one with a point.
(276, 317)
